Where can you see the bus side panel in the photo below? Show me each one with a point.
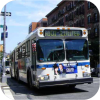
(23, 64)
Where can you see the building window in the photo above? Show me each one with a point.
(49, 21)
(89, 19)
(96, 31)
(71, 16)
(81, 22)
(68, 7)
(64, 9)
(89, 6)
(89, 31)
(67, 18)
(95, 17)
(82, 10)
(71, 5)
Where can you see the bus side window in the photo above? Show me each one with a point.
(19, 52)
(23, 51)
(28, 48)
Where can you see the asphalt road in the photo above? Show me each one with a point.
(20, 91)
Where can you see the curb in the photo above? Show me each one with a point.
(6, 90)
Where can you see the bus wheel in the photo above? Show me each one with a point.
(29, 80)
(11, 73)
(17, 76)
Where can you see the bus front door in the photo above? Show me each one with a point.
(34, 60)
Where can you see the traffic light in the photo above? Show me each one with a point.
(2, 35)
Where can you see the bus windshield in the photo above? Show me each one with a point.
(76, 49)
(50, 50)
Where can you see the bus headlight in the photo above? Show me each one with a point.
(46, 77)
(42, 78)
(85, 74)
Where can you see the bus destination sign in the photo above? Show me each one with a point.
(62, 33)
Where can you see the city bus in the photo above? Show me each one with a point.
(53, 56)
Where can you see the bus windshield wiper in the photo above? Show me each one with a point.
(55, 53)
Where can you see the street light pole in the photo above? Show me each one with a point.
(4, 79)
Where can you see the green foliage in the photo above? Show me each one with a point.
(1, 55)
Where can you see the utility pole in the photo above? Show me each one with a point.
(4, 78)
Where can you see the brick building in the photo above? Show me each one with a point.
(76, 13)
(34, 25)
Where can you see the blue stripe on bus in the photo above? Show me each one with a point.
(51, 65)
(46, 66)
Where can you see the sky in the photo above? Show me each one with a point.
(23, 12)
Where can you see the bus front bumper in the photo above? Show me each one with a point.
(66, 82)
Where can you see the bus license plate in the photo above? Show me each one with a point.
(69, 69)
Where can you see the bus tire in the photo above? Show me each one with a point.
(11, 73)
(17, 76)
(29, 78)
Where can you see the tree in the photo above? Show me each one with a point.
(95, 47)
(1, 55)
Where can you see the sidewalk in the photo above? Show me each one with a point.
(3, 84)
(6, 89)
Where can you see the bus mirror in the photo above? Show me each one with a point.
(90, 53)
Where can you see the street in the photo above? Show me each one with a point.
(20, 91)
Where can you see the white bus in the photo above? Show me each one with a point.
(52, 56)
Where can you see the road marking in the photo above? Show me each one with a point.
(8, 94)
(5, 87)
(96, 82)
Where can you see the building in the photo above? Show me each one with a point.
(42, 22)
(34, 25)
(76, 13)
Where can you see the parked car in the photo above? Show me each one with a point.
(7, 69)
(97, 70)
